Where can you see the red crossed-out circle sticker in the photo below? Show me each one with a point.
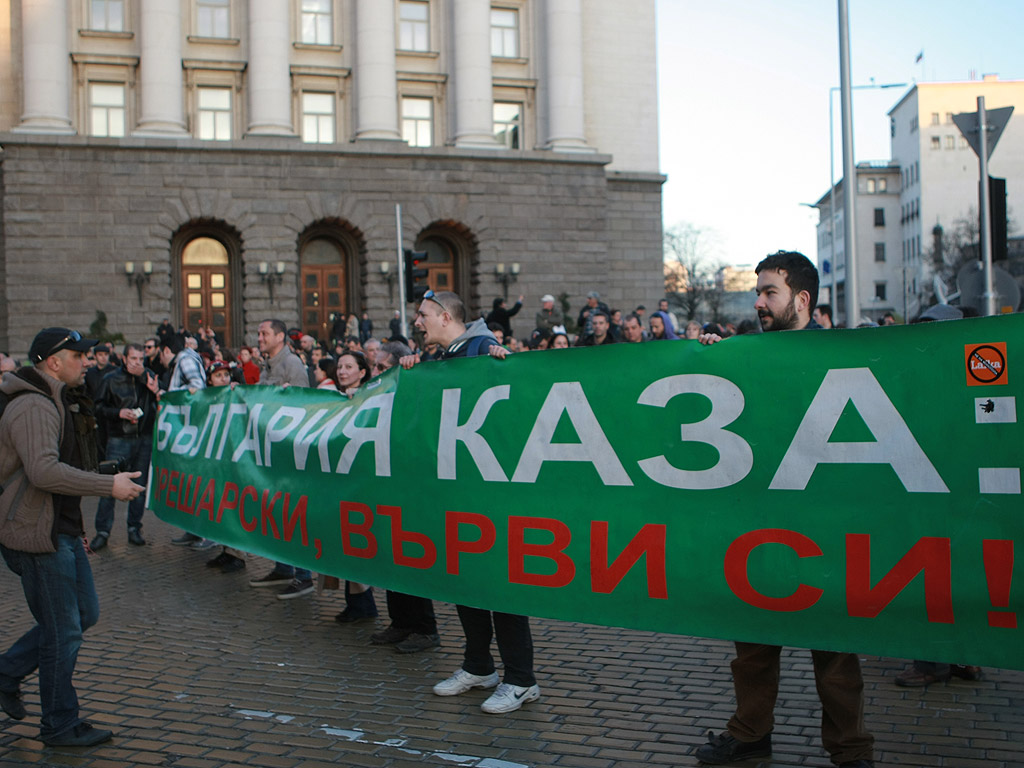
(986, 364)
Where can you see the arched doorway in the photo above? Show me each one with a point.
(440, 263)
(324, 286)
(206, 286)
(454, 254)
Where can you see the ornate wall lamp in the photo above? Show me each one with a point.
(271, 278)
(387, 274)
(506, 277)
(140, 278)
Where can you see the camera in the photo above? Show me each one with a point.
(112, 466)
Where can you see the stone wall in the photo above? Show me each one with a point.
(75, 209)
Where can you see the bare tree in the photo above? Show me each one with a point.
(690, 267)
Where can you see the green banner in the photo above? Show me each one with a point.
(848, 490)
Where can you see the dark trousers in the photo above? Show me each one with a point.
(135, 452)
(515, 644)
(415, 614)
(755, 673)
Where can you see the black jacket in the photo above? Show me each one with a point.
(119, 389)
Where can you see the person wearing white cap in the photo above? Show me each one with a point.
(547, 316)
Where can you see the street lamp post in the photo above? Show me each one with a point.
(832, 177)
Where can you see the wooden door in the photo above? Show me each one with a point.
(206, 287)
(323, 296)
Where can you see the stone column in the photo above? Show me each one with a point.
(161, 92)
(46, 58)
(269, 85)
(472, 84)
(563, 23)
(376, 81)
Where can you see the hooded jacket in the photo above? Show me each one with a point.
(31, 471)
(465, 346)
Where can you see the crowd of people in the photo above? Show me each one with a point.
(108, 400)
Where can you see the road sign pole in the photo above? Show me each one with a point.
(986, 213)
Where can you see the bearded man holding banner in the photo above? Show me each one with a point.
(787, 290)
(442, 320)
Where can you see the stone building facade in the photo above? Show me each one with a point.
(224, 161)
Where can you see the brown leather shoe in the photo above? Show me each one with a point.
(911, 677)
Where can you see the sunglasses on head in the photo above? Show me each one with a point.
(429, 296)
(72, 336)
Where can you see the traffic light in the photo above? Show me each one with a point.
(997, 208)
(415, 275)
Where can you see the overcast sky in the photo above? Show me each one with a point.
(744, 92)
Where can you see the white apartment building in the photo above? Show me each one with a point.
(239, 159)
(931, 180)
(881, 275)
(938, 169)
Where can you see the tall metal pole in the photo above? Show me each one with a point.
(401, 270)
(849, 171)
(986, 214)
(832, 208)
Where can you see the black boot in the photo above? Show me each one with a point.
(360, 606)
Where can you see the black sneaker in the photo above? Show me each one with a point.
(222, 559)
(135, 537)
(296, 589)
(390, 636)
(233, 565)
(186, 539)
(82, 735)
(724, 748)
(272, 579)
(99, 541)
(416, 642)
(10, 702)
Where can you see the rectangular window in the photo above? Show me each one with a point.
(213, 18)
(869, 186)
(504, 33)
(951, 142)
(879, 251)
(214, 113)
(106, 15)
(318, 118)
(414, 25)
(949, 117)
(508, 124)
(882, 184)
(936, 142)
(963, 143)
(880, 291)
(417, 120)
(935, 118)
(879, 217)
(106, 109)
(317, 22)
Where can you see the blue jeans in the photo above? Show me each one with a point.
(60, 593)
(136, 453)
(299, 574)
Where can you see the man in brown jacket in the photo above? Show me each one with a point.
(47, 463)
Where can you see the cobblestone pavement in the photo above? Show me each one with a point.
(191, 668)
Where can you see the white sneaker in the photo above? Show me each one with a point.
(509, 698)
(462, 681)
